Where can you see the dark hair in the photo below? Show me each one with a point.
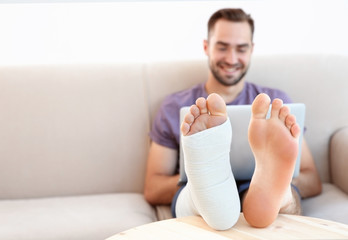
(233, 15)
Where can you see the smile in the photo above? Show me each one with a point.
(231, 69)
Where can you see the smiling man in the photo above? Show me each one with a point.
(235, 44)
(229, 47)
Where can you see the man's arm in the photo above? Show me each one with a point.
(161, 182)
(308, 181)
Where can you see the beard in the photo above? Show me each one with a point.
(227, 80)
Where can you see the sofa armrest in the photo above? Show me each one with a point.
(339, 159)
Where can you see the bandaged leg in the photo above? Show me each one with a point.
(211, 190)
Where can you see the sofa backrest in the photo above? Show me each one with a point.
(83, 129)
(68, 130)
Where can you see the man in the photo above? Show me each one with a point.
(229, 48)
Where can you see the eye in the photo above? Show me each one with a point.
(242, 49)
(221, 47)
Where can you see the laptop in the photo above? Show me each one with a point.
(243, 163)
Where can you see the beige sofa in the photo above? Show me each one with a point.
(74, 139)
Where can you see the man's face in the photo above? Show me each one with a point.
(229, 49)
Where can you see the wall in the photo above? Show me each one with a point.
(36, 33)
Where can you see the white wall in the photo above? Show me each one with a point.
(37, 33)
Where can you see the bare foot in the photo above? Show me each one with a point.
(206, 113)
(274, 142)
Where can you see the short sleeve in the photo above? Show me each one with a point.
(165, 126)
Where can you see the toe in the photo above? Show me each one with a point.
(194, 111)
(291, 124)
(201, 103)
(295, 130)
(189, 118)
(276, 106)
(260, 106)
(290, 120)
(283, 113)
(186, 123)
(216, 105)
(185, 128)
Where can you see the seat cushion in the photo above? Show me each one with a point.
(82, 217)
(332, 205)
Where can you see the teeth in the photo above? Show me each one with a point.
(230, 69)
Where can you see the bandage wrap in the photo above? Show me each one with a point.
(211, 190)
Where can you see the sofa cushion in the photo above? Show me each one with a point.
(331, 205)
(82, 217)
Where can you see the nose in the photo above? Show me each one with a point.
(232, 57)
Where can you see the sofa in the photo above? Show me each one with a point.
(74, 139)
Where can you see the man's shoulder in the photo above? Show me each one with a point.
(260, 88)
(185, 97)
(273, 93)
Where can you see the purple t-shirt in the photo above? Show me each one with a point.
(166, 126)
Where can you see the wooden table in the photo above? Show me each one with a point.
(285, 227)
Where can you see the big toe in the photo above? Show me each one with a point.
(216, 105)
(260, 106)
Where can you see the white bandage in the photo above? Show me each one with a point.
(211, 190)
